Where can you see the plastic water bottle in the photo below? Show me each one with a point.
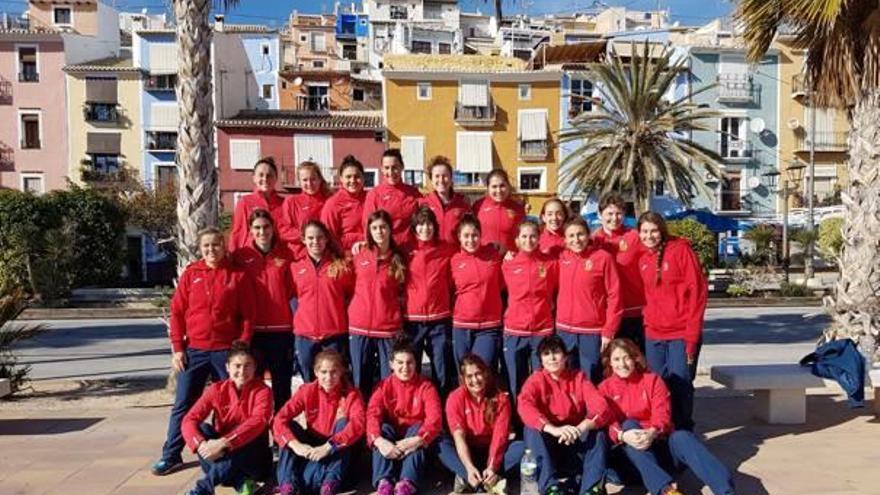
(528, 470)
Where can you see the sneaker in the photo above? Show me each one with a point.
(329, 487)
(248, 487)
(553, 490)
(461, 486)
(597, 489)
(385, 487)
(165, 467)
(405, 487)
(672, 490)
(284, 489)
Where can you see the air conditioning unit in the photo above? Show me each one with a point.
(793, 124)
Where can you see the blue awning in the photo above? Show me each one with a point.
(715, 223)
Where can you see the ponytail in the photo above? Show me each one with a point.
(660, 222)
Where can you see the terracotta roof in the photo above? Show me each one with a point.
(453, 63)
(246, 28)
(112, 64)
(360, 120)
(576, 53)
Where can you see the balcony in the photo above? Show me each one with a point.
(826, 141)
(28, 76)
(161, 82)
(313, 103)
(98, 176)
(475, 116)
(161, 141)
(32, 143)
(533, 150)
(101, 112)
(735, 150)
(731, 202)
(799, 86)
(736, 88)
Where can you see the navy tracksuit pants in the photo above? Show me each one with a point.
(276, 354)
(433, 338)
(484, 343)
(253, 461)
(409, 468)
(370, 356)
(586, 458)
(307, 349)
(585, 353)
(480, 456)
(307, 476)
(668, 359)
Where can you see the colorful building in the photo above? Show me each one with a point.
(481, 112)
(245, 60)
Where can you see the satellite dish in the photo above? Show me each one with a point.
(757, 125)
(754, 182)
(298, 81)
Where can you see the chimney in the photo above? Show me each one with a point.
(218, 23)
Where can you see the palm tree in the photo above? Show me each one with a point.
(197, 200)
(842, 39)
(637, 136)
(498, 12)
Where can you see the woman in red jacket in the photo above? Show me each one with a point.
(531, 278)
(323, 282)
(554, 215)
(399, 200)
(676, 294)
(305, 205)
(374, 315)
(588, 306)
(267, 260)
(639, 405)
(428, 302)
(498, 213)
(315, 458)
(234, 449)
(477, 280)
(564, 417)
(403, 419)
(212, 307)
(448, 206)
(343, 213)
(478, 413)
(623, 244)
(264, 197)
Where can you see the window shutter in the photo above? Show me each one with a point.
(413, 150)
(164, 117)
(163, 58)
(243, 154)
(533, 125)
(474, 152)
(474, 94)
(317, 148)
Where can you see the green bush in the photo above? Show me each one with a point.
(787, 289)
(701, 238)
(736, 290)
(762, 236)
(831, 238)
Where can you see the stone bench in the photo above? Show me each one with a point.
(5, 387)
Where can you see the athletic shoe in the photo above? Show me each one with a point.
(554, 490)
(284, 489)
(329, 487)
(672, 491)
(405, 487)
(248, 487)
(597, 489)
(165, 467)
(385, 487)
(461, 486)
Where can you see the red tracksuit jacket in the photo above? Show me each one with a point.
(428, 281)
(448, 215)
(299, 209)
(642, 397)
(399, 201)
(465, 413)
(403, 404)
(375, 308)
(343, 214)
(272, 285)
(477, 281)
(531, 280)
(675, 308)
(212, 307)
(239, 415)
(624, 245)
(499, 221)
(589, 293)
(321, 305)
(564, 401)
(241, 234)
(321, 411)
(551, 243)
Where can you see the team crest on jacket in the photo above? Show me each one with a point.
(542, 272)
(279, 262)
(622, 245)
(511, 213)
(588, 265)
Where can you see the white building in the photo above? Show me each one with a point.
(406, 26)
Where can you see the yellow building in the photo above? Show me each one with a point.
(831, 131)
(482, 112)
(103, 121)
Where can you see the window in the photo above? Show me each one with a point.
(29, 130)
(444, 48)
(423, 91)
(523, 54)
(412, 148)
(474, 103)
(243, 153)
(473, 152)
(319, 42)
(267, 91)
(318, 64)
(27, 64)
(532, 179)
(161, 141)
(166, 176)
(731, 193)
(414, 177)
(581, 99)
(357, 94)
(104, 165)
(533, 134)
(161, 82)
(316, 148)
(399, 12)
(525, 92)
(265, 49)
(659, 188)
(62, 16)
(101, 112)
(824, 183)
(371, 177)
(469, 179)
(349, 52)
(315, 99)
(32, 183)
(303, 38)
(733, 141)
(283, 84)
(419, 46)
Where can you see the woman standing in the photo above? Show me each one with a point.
(305, 205)
(531, 279)
(639, 405)
(212, 307)
(564, 417)
(676, 295)
(477, 279)
(375, 315)
(554, 215)
(267, 261)
(403, 418)
(315, 458)
(399, 200)
(428, 303)
(343, 213)
(323, 282)
(264, 197)
(498, 213)
(478, 414)
(234, 449)
(448, 206)
(588, 306)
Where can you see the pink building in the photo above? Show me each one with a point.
(292, 137)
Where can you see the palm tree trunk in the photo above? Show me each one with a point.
(855, 307)
(498, 11)
(197, 201)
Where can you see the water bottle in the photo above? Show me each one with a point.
(528, 471)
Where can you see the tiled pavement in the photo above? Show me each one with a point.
(97, 451)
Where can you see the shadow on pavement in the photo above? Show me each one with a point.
(764, 329)
(93, 389)
(53, 426)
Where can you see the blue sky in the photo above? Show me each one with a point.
(275, 12)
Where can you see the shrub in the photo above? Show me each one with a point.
(762, 236)
(736, 290)
(831, 238)
(787, 289)
(701, 238)
(12, 303)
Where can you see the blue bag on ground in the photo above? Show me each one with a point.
(840, 360)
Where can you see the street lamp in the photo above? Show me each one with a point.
(793, 175)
